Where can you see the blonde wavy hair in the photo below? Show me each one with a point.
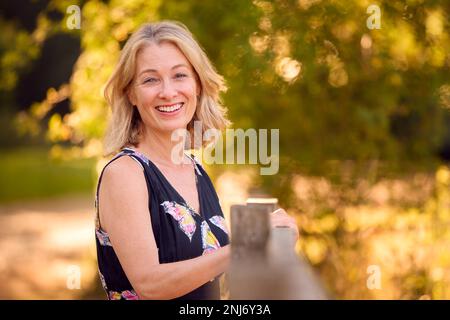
(124, 127)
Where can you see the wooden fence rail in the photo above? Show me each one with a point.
(264, 265)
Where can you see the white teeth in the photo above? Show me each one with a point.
(173, 108)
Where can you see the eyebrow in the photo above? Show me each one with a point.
(153, 70)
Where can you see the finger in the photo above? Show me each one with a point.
(284, 224)
(284, 219)
(278, 212)
(293, 229)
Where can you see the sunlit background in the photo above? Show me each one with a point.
(361, 98)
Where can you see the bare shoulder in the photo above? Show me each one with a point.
(124, 171)
(123, 191)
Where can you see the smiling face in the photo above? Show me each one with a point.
(164, 89)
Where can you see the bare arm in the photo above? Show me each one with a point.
(124, 215)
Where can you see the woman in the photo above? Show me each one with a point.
(160, 231)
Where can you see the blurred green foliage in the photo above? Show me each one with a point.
(30, 173)
(338, 90)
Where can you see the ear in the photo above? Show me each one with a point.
(198, 89)
(131, 96)
(198, 85)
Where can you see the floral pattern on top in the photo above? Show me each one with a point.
(209, 240)
(196, 164)
(102, 279)
(103, 237)
(219, 221)
(123, 295)
(183, 218)
(139, 155)
(183, 215)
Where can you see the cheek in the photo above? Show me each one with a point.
(189, 89)
(145, 96)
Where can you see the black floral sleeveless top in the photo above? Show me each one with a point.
(180, 232)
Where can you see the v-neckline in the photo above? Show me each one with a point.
(197, 184)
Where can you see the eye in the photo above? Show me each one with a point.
(180, 75)
(150, 80)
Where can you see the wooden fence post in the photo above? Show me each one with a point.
(264, 265)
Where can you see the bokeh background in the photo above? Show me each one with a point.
(364, 119)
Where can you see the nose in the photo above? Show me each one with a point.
(168, 90)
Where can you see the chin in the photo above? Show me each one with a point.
(171, 126)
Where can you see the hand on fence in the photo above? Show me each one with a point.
(280, 218)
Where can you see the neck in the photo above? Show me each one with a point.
(159, 148)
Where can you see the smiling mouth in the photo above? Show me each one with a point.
(170, 108)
